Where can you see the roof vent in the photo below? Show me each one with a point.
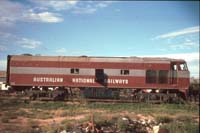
(84, 56)
(26, 54)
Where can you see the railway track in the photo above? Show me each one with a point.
(78, 100)
(85, 100)
(94, 100)
(74, 98)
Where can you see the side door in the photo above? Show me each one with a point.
(99, 76)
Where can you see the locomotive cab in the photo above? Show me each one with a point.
(180, 74)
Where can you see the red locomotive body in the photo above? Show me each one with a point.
(97, 72)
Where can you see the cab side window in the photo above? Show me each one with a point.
(183, 67)
(174, 67)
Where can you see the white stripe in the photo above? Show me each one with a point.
(48, 70)
(183, 74)
(117, 72)
(84, 71)
(138, 73)
(67, 71)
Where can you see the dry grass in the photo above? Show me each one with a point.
(52, 117)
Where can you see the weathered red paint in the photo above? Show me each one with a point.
(133, 82)
(97, 65)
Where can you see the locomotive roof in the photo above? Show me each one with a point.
(94, 59)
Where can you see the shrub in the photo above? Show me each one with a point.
(164, 119)
(178, 127)
(10, 115)
(122, 124)
(5, 120)
(184, 118)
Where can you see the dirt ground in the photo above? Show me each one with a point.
(54, 117)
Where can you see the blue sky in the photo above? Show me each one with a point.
(100, 28)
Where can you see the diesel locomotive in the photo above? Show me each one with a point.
(133, 78)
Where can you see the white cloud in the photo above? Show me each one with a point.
(184, 45)
(5, 35)
(61, 50)
(46, 17)
(68, 52)
(185, 56)
(14, 11)
(179, 33)
(102, 5)
(74, 6)
(29, 43)
(185, 39)
(90, 7)
(7, 40)
(3, 64)
(61, 5)
(56, 5)
(3, 48)
(72, 2)
(10, 12)
(84, 10)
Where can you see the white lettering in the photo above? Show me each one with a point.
(92, 80)
(47, 79)
(82, 80)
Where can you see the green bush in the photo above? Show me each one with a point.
(184, 118)
(179, 127)
(5, 120)
(164, 119)
(122, 124)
